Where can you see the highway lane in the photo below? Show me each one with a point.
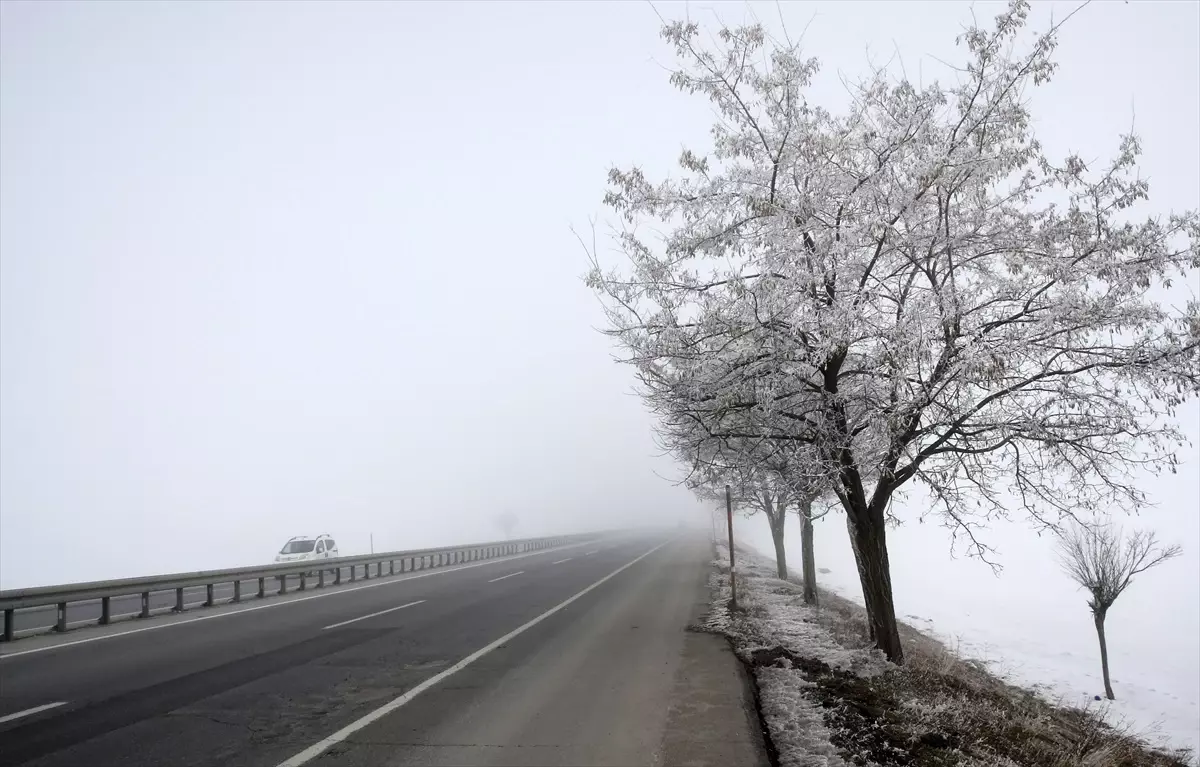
(613, 678)
(131, 655)
(255, 689)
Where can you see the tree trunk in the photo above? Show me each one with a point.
(776, 521)
(1098, 616)
(809, 563)
(869, 541)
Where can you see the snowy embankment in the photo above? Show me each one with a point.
(829, 699)
(1030, 625)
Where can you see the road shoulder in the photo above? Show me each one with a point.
(712, 719)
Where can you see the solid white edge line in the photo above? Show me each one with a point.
(559, 562)
(590, 553)
(322, 746)
(31, 711)
(390, 581)
(502, 577)
(372, 615)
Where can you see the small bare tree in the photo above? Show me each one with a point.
(1103, 560)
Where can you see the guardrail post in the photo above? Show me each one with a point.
(303, 581)
(391, 567)
(208, 595)
(337, 576)
(262, 587)
(10, 629)
(60, 624)
(145, 605)
(178, 600)
(237, 591)
(321, 579)
(105, 611)
(353, 573)
(282, 584)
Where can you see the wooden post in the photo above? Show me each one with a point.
(732, 569)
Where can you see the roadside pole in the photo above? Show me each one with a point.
(732, 569)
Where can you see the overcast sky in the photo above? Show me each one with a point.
(270, 269)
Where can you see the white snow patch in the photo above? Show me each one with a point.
(1030, 626)
(780, 618)
(795, 722)
(773, 614)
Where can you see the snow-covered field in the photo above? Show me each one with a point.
(1031, 625)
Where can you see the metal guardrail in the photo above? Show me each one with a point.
(104, 591)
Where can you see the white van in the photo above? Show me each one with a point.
(304, 548)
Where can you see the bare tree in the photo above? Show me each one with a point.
(912, 290)
(1103, 560)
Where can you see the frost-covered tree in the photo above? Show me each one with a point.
(808, 514)
(763, 475)
(1103, 560)
(752, 493)
(911, 289)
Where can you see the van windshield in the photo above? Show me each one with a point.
(298, 547)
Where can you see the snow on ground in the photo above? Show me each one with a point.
(1030, 625)
(781, 619)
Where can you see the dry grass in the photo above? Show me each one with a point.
(940, 710)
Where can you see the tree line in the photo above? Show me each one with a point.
(911, 291)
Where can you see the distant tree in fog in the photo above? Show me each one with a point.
(1103, 560)
(507, 522)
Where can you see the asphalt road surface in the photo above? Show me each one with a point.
(570, 656)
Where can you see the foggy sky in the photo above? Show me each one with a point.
(270, 269)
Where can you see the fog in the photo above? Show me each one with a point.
(289, 268)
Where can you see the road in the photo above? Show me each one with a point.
(577, 655)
